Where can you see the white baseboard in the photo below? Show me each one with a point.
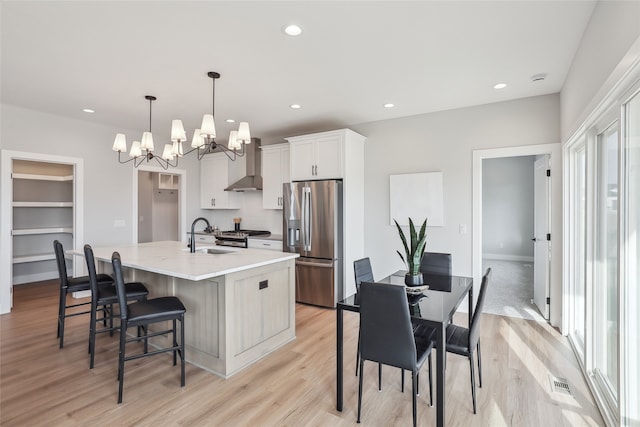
(35, 277)
(502, 257)
(81, 294)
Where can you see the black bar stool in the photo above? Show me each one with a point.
(144, 313)
(103, 298)
(69, 285)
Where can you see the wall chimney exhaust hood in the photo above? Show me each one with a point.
(252, 181)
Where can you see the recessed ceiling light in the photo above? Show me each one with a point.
(295, 106)
(88, 110)
(292, 30)
(389, 105)
(230, 121)
(500, 86)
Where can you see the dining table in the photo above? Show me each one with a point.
(434, 307)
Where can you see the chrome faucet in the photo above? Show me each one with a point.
(193, 225)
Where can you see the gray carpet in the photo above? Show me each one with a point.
(510, 290)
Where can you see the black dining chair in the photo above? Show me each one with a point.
(69, 285)
(363, 273)
(387, 335)
(144, 313)
(464, 341)
(102, 299)
(436, 270)
(436, 263)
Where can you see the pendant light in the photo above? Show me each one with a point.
(203, 141)
(143, 150)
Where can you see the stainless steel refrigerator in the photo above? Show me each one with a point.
(312, 227)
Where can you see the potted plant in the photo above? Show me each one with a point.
(413, 252)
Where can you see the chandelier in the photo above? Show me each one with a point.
(143, 150)
(203, 141)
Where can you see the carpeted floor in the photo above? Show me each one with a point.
(510, 291)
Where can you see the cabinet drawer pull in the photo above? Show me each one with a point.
(263, 285)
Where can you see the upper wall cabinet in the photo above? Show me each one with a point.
(214, 178)
(275, 172)
(318, 156)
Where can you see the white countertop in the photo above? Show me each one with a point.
(174, 259)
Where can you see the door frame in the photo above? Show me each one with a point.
(554, 151)
(6, 225)
(182, 205)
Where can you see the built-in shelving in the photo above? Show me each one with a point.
(43, 211)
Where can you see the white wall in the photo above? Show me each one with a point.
(252, 214)
(610, 34)
(444, 141)
(507, 208)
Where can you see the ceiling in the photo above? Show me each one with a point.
(353, 57)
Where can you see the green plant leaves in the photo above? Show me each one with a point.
(418, 243)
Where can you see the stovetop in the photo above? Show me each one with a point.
(242, 234)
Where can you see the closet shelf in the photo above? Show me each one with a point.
(42, 177)
(48, 230)
(33, 258)
(42, 204)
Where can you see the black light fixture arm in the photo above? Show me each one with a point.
(148, 155)
(210, 145)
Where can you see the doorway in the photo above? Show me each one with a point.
(47, 204)
(158, 206)
(553, 292)
(509, 211)
(164, 219)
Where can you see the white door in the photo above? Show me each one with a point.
(542, 247)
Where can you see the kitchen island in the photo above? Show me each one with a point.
(240, 302)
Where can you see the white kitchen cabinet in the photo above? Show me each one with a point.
(275, 172)
(214, 178)
(317, 156)
(43, 209)
(274, 245)
(202, 239)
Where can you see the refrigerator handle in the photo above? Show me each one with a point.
(303, 220)
(310, 222)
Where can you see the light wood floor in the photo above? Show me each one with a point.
(295, 386)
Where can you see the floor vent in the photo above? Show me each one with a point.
(559, 385)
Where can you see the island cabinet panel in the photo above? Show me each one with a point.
(265, 311)
(202, 325)
(259, 320)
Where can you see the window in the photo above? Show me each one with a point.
(605, 285)
(630, 254)
(602, 252)
(578, 243)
